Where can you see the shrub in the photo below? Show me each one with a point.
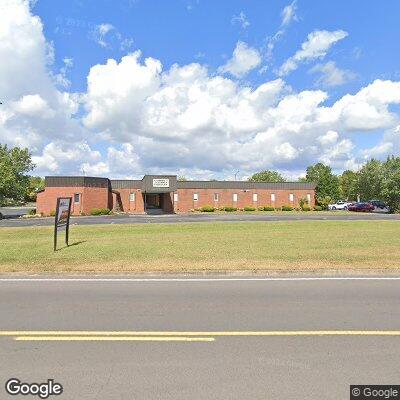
(230, 208)
(249, 208)
(287, 208)
(260, 208)
(318, 208)
(100, 211)
(306, 207)
(32, 212)
(207, 209)
(269, 208)
(52, 213)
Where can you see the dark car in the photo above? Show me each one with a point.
(361, 207)
(380, 206)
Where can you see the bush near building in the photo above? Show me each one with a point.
(207, 209)
(269, 208)
(287, 208)
(230, 209)
(249, 208)
(100, 211)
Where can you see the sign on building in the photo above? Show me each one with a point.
(161, 183)
(61, 222)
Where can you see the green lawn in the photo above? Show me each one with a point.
(301, 245)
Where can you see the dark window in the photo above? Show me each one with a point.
(77, 198)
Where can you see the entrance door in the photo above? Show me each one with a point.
(153, 203)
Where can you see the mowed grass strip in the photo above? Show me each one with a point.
(184, 247)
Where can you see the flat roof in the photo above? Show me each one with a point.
(115, 184)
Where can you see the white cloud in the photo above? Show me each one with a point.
(240, 19)
(139, 118)
(289, 13)
(34, 111)
(244, 59)
(186, 119)
(331, 75)
(316, 46)
(107, 36)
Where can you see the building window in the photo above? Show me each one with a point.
(175, 197)
(309, 198)
(235, 197)
(216, 197)
(255, 197)
(131, 196)
(273, 197)
(77, 198)
(291, 197)
(195, 196)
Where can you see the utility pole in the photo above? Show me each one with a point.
(236, 174)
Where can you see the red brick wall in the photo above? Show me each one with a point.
(90, 198)
(102, 198)
(244, 198)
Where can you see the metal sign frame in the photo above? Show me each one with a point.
(62, 222)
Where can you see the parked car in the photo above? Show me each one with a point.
(380, 206)
(361, 207)
(339, 205)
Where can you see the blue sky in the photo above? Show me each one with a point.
(350, 48)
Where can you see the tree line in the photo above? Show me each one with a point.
(376, 180)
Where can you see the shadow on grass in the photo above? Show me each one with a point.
(71, 245)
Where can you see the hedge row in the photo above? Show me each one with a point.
(305, 207)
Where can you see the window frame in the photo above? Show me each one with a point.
(79, 197)
(195, 197)
(130, 197)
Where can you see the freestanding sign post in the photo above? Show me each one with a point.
(63, 212)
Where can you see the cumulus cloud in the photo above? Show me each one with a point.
(186, 118)
(137, 117)
(34, 111)
(331, 75)
(244, 59)
(316, 46)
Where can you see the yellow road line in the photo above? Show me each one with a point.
(115, 338)
(203, 333)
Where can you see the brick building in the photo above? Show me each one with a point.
(164, 193)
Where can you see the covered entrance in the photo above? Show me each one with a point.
(157, 203)
(158, 193)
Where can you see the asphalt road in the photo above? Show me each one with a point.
(175, 218)
(230, 337)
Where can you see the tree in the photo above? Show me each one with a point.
(35, 183)
(370, 180)
(267, 176)
(390, 183)
(182, 178)
(348, 184)
(327, 183)
(15, 163)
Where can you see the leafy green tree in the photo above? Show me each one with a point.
(267, 176)
(390, 183)
(182, 178)
(348, 184)
(370, 180)
(15, 163)
(327, 183)
(35, 183)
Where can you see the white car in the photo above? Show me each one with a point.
(339, 205)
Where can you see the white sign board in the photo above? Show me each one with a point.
(161, 183)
